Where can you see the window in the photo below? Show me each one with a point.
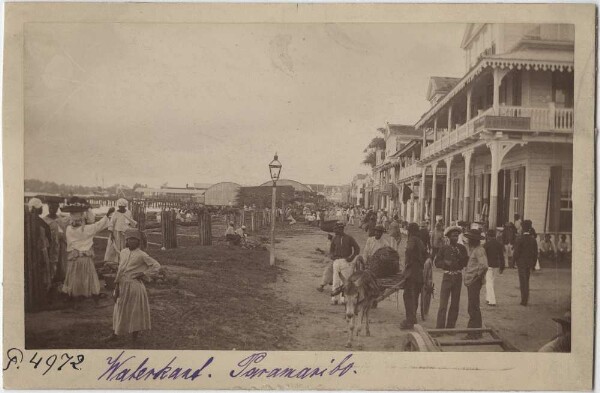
(518, 196)
(566, 201)
(516, 88)
(562, 89)
(455, 199)
(478, 197)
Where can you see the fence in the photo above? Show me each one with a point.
(168, 224)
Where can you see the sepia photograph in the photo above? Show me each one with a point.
(329, 188)
(298, 196)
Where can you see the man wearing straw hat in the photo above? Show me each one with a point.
(343, 250)
(474, 278)
(452, 258)
(494, 250)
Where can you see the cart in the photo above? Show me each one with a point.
(395, 283)
(442, 340)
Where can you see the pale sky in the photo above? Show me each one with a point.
(185, 103)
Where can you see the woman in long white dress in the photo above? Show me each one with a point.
(132, 309)
(120, 221)
(81, 279)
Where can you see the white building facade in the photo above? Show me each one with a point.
(503, 133)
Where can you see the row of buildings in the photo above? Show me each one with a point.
(495, 142)
(225, 193)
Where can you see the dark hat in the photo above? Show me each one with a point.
(413, 227)
(339, 224)
(51, 199)
(462, 223)
(473, 234)
(564, 320)
(76, 205)
(131, 232)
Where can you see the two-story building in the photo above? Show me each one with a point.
(386, 194)
(503, 132)
(358, 190)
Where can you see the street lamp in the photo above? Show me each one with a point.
(274, 169)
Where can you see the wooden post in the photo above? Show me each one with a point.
(253, 221)
(205, 228)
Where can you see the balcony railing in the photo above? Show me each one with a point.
(450, 138)
(548, 119)
(409, 171)
(542, 119)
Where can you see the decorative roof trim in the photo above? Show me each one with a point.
(502, 63)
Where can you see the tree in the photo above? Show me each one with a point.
(139, 185)
(370, 159)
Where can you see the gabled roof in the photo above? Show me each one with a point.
(406, 148)
(440, 84)
(470, 32)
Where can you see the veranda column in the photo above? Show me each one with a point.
(392, 199)
(448, 191)
(496, 159)
(411, 202)
(496, 102)
(449, 118)
(498, 75)
(433, 192)
(467, 195)
(469, 92)
(422, 195)
(435, 129)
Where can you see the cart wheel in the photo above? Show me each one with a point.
(427, 290)
(414, 343)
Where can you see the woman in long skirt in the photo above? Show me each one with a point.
(81, 279)
(132, 309)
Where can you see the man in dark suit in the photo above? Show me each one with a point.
(525, 256)
(416, 253)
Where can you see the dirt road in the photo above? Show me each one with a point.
(321, 325)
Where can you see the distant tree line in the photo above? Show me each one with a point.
(50, 187)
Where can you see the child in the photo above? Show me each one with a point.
(132, 310)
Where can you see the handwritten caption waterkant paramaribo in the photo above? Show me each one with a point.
(125, 367)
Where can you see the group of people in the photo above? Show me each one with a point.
(468, 255)
(70, 242)
(234, 236)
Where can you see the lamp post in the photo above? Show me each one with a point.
(274, 169)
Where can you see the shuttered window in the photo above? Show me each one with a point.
(518, 195)
(566, 201)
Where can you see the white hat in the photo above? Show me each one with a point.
(243, 227)
(34, 203)
(122, 202)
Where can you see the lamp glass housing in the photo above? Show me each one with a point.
(275, 168)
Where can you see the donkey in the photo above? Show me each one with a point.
(361, 292)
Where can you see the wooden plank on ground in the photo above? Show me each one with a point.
(460, 343)
(458, 331)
